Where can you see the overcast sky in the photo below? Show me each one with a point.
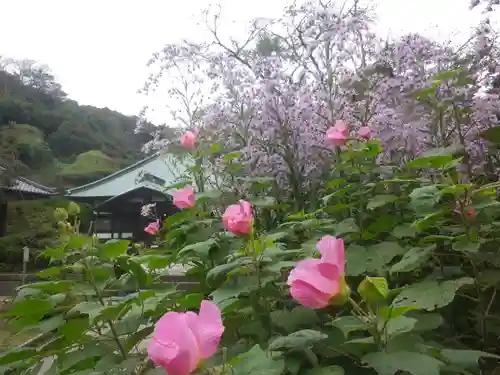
(98, 49)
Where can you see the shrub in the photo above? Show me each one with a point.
(416, 293)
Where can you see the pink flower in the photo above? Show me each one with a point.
(181, 340)
(188, 140)
(184, 198)
(365, 133)
(238, 218)
(338, 134)
(314, 282)
(153, 227)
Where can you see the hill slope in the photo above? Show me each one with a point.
(46, 136)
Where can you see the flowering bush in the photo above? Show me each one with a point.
(334, 220)
(389, 273)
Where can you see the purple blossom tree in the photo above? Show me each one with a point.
(273, 96)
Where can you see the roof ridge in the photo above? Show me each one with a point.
(115, 174)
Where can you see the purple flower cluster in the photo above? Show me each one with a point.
(274, 97)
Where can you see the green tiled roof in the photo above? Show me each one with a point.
(155, 172)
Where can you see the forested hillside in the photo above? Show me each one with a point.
(47, 136)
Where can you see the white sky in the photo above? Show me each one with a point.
(98, 49)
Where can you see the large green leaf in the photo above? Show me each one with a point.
(467, 359)
(92, 309)
(346, 226)
(424, 198)
(33, 306)
(74, 328)
(431, 295)
(413, 259)
(413, 363)
(380, 200)
(113, 249)
(257, 362)
(293, 319)
(296, 340)
(201, 248)
(348, 324)
(223, 269)
(16, 355)
(369, 259)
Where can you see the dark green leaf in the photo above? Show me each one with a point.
(257, 362)
(296, 340)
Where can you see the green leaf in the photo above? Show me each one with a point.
(429, 294)
(300, 339)
(492, 135)
(113, 249)
(371, 258)
(74, 328)
(346, 226)
(424, 198)
(413, 259)
(228, 293)
(348, 324)
(16, 356)
(330, 370)
(380, 200)
(437, 161)
(52, 286)
(391, 312)
(374, 289)
(413, 363)
(223, 269)
(49, 272)
(256, 362)
(291, 320)
(404, 231)
(399, 325)
(467, 359)
(50, 324)
(92, 309)
(201, 248)
(137, 337)
(27, 307)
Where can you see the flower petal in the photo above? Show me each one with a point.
(308, 296)
(208, 328)
(173, 331)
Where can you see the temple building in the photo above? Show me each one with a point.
(117, 199)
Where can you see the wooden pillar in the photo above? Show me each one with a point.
(3, 218)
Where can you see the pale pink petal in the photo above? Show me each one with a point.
(188, 140)
(246, 208)
(306, 264)
(335, 137)
(308, 296)
(162, 354)
(173, 331)
(332, 251)
(184, 198)
(238, 218)
(315, 279)
(341, 127)
(208, 328)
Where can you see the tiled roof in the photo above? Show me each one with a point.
(24, 185)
